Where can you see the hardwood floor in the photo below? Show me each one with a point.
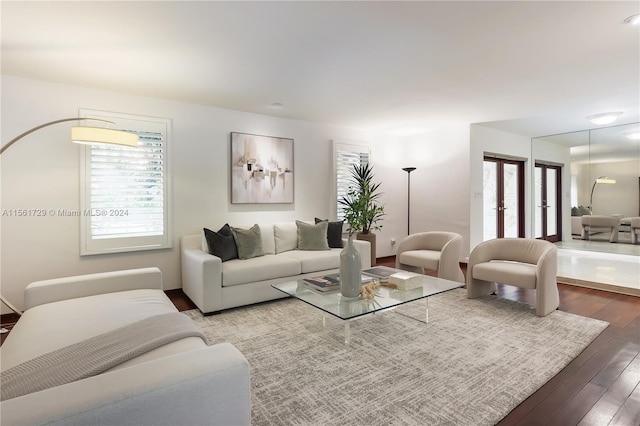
(599, 387)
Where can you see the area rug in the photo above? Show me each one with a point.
(471, 364)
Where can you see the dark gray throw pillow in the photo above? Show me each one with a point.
(221, 243)
(334, 232)
(248, 242)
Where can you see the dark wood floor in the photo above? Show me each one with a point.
(599, 387)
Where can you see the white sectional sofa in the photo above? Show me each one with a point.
(214, 285)
(182, 382)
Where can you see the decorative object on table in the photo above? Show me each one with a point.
(381, 272)
(406, 280)
(350, 270)
(368, 291)
(81, 135)
(408, 170)
(261, 169)
(321, 283)
(361, 209)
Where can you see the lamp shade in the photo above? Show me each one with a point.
(605, 179)
(92, 135)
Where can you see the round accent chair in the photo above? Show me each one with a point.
(435, 250)
(521, 262)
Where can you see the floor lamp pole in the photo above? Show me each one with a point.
(408, 170)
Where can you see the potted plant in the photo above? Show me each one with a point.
(361, 209)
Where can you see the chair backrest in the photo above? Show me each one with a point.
(524, 250)
(433, 240)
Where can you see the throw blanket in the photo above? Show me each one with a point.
(96, 355)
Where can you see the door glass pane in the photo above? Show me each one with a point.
(511, 183)
(537, 219)
(550, 210)
(490, 200)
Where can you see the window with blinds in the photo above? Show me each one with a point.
(346, 155)
(125, 203)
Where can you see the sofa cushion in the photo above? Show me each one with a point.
(516, 273)
(270, 266)
(313, 261)
(248, 242)
(285, 236)
(312, 237)
(334, 232)
(221, 243)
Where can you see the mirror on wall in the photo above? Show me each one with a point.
(586, 188)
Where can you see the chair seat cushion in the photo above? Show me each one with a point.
(270, 266)
(428, 259)
(505, 272)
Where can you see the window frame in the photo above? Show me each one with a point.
(96, 246)
(355, 148)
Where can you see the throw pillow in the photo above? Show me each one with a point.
(286, 236)
(312, 237)
(221, 243)
(334, 232)
(248, 242)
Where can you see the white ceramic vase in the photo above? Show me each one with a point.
(350, 270)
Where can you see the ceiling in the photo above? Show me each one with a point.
(532, 68)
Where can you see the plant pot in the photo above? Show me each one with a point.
(371, 237)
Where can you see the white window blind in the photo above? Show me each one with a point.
(125, 202)
(346, 155)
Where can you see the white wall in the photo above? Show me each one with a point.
(619, 198)
(42, 172)
(439, 185)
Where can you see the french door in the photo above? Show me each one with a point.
(503, 198)
(548, 198)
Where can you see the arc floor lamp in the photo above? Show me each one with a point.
(82, 135)
(601, 179)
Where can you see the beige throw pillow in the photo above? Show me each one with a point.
(248, 242)
(312, 237)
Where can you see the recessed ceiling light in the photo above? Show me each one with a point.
(276, 105)
(633, 19)
(604, 118)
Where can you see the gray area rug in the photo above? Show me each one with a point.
(471, 364)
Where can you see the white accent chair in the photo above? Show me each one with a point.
(520, 262)
(635, 230)
(599, 223)
(434, 250)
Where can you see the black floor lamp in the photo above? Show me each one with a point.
(408, 170)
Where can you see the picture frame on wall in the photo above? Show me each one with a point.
(261, 169)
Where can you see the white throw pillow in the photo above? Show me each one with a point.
(286, 236)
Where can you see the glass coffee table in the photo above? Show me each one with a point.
(348, 309)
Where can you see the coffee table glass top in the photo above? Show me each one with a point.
(332, 302)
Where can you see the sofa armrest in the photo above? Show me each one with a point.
(47, 291)
(205, 386)
(364, 248)
(201, 276)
